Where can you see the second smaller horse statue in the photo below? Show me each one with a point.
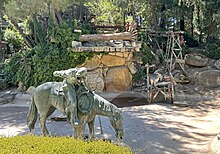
(74, 99)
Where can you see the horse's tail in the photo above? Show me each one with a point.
(32, 114)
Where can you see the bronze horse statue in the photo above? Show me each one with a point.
(50, 96)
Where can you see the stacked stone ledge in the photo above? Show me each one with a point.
(112, 71)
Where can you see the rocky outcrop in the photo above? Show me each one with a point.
(196, 60)
(217, 64)
(6, 97)
(111, 72)
(118, 79)
(209, 78)
(110, 61)
(95, 80)
(93, 63)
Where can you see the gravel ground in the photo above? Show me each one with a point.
(159, 128)
(149, 129)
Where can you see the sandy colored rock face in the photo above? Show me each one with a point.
(132, 68)
(111, 72)
(95, 80)
(109, 60)
(210, 78)
(118, 79)
(92, 63)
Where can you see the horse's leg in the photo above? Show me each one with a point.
(51, 111)
(42, 119)
(79, 131)
(91, 125)
(82, 130)
(77, 134)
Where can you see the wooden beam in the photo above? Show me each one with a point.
(106, 37)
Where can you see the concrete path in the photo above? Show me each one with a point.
(149, 129)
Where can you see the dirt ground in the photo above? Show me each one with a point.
(157, 128)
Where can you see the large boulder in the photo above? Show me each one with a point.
(92, 63)
(109, 60)
(6, 98)
(95, 80)
(209, 78)
(196, 60)
(118, 79)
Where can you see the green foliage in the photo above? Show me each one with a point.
(190, 41)
(20, 9)
(11, 36)
(139, 75)
(185, 50)
(147, 57)
(36, 66)
(213, 49)
(12, 68)
(55, 56)
(50, 145)
(3, 83)
(19, 68)
(146, 52)
(86, 28)
(106, 11)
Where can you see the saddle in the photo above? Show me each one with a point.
(85, 100)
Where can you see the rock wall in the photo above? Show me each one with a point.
(110, 72)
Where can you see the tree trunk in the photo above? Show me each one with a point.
(153, 4)
(211, 26)
(192, 26)
(58, 15)
(182, 21)
(53, 13)
(133, 11)
(182, 24)
(162, 22)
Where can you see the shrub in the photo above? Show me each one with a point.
(213, 49)
(11, 36)
(20, 68)
(36, 66)
(147, 56)
(3, 83)
(190, 41)
(50, 145)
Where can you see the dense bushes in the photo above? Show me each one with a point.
(35, 66)
(52, 145)
(190, 41)
(213, 49)
(3, 83)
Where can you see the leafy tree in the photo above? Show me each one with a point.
(105, 11)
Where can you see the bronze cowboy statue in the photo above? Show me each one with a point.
(71, 77)
(74, 99)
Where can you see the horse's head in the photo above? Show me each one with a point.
(116, 122)
(73, 75)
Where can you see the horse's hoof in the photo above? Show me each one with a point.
(86, 137)
(107, 140)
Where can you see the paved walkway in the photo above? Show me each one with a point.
(149, 129)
